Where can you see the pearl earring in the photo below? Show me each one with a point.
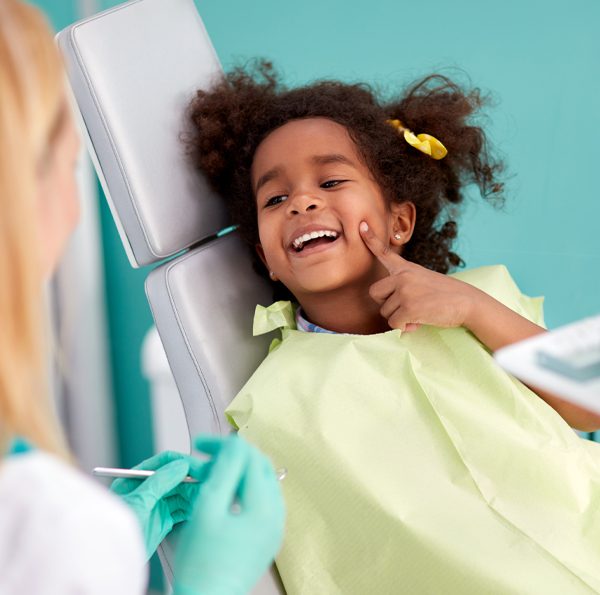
(397, 236)
(272, 274)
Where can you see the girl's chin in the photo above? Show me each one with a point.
(317, 285)
(335, 275)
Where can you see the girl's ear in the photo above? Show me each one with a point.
(403, 217)
(261, 254)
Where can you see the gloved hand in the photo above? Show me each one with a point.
(161, 501)
(224, 551)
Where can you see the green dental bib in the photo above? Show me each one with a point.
(417, 466)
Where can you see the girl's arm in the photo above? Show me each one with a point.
(497, 326)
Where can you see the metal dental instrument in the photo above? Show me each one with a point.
(143, 474)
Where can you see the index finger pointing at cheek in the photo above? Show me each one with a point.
(390, 260)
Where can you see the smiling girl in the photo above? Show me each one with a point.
(415, 464)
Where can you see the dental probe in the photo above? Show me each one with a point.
(143, 474)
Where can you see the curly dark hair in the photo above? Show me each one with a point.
(232, 118)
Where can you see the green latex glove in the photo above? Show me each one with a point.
(224, 551)
(161, 501)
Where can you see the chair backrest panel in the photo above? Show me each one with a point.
(203, 305)
(133, 83)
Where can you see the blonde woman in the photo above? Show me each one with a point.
(60, 532)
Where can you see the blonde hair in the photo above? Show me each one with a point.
(32, 102)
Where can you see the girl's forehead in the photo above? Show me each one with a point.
(302, 139)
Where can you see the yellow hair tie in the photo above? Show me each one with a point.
(423, 142)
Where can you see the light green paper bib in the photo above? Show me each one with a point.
(417, 466)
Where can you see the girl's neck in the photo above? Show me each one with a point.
(352, 311)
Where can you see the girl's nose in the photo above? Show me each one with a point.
(303, 203)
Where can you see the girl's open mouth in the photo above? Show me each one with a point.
(315, 241)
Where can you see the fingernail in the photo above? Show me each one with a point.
(363, 226)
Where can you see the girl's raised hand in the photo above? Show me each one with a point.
(412, 295)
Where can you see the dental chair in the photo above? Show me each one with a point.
(133, 71)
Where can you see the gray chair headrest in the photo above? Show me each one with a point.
(133, 70)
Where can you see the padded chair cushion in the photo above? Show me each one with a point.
(203, 305)
(133, 71)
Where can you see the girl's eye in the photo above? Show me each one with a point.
(275, 200)
(331, 183)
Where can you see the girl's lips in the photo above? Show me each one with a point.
(315, 247)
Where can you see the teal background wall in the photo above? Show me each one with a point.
(60, 13)
(129, 319)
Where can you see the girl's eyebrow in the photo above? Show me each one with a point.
(267, 177)
(317, 159)
(333, 158)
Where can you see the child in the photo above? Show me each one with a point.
(415, 465)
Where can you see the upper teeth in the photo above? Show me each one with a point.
(313, 235)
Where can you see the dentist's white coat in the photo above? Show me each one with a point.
(58, 529)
